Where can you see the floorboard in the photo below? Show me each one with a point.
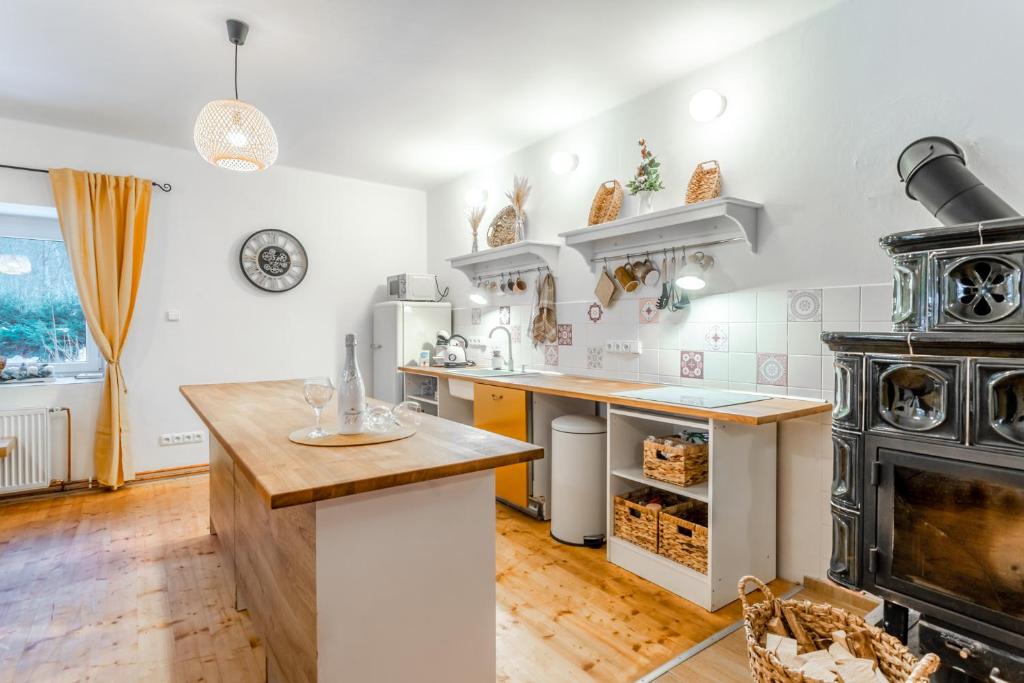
(128, 586)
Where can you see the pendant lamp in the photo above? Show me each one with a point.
(234, 134)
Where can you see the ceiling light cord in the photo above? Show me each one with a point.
(236, 71)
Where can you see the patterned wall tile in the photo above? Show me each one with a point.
(716, 338)
(551, 354)
(595, 357)
(504, 315)
(691, 364)
(517, 334)
(649, 312)
(803, 305)
(595, 312)
(474, 315)
(772, 369)
(565, 334)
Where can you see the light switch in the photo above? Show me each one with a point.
(173, 316)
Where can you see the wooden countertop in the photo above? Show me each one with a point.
(604, 390)
(252, 422)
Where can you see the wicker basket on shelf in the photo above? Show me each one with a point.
(676, 460)
(683, 534)
(607, 203)
(637, 523)
(502, 230)
(819, 622)
(705, 183)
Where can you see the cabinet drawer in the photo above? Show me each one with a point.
(504, 411)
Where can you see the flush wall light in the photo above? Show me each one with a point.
(234, 134)
(707, 105)
(564, 162)
(475, 197)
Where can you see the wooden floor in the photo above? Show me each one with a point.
(127, 586)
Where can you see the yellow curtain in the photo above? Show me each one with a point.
(103, 219)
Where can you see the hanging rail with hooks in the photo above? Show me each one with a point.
(511, 271)
(667, 250)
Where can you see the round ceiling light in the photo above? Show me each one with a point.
(707, 105)
(234, 134)
(564, 162)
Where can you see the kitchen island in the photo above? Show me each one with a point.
(366, 563)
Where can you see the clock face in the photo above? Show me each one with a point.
(273, 260)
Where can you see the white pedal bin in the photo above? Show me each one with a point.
(578, 479)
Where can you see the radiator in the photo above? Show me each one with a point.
(30, 465)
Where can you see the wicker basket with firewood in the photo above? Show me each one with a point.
(797, 641)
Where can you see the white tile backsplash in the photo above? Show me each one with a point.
(876, 303)
(840, 303)
(752, 322)
(804, 338)
(771, 307)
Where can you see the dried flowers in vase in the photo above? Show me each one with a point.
(647, 179)
(474, 215)
(517, 198)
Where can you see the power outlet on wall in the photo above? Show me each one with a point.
(623, 346)
(179, 438)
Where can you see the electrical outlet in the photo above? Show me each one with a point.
(179, 438)
(623, 346)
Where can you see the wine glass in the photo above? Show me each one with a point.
(379, 419)
(318, 392)
(408, 414)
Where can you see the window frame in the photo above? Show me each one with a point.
(40, 223)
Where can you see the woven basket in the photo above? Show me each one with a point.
(639, 524)
(607, 203)
(705, 183)
(821, 620)
(503, 228)
(677, 462)
(683, 534)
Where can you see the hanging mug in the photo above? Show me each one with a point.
(624, 274)
(652, 275)
(520, 283)
(641, 269)
(511, 284)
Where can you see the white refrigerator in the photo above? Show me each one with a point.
(401, 330)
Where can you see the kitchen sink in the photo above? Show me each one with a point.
(488, 372)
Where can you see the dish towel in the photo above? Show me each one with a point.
(544, 329)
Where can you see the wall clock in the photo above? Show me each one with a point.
(273, 260)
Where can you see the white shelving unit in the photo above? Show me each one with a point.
(423, 390)
(724, 218)
(508, 258)
(740, 494)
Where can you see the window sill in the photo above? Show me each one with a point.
(56, 381)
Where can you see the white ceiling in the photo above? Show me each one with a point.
(411, 92)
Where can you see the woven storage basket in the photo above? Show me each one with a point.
(607, 203)
(683, 534)
(636, 523)
(677, 462)
(503, 228)
(894, 660)
(705, 183)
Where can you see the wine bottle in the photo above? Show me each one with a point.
(351, 393)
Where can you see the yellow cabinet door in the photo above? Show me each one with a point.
(503, 411)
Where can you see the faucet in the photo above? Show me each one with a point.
(511, 366)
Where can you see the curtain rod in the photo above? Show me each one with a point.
(166, 187)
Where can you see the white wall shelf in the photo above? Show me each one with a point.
(697, 492)
(507, 258)
(716, 219)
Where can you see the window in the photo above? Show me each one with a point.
(41, 319)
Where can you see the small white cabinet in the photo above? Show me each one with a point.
(740, 494)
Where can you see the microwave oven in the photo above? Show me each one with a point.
(410, 287)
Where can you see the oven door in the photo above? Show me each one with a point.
(950, 537)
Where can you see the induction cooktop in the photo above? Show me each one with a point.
(689, 396)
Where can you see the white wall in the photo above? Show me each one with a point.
(816, 118)
(356, 233)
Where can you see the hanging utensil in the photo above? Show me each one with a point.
(679, 299)
(663, 300)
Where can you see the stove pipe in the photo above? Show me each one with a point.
(935, 172)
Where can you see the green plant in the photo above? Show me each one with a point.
(647, 178)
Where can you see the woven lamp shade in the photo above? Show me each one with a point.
(235, 135)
